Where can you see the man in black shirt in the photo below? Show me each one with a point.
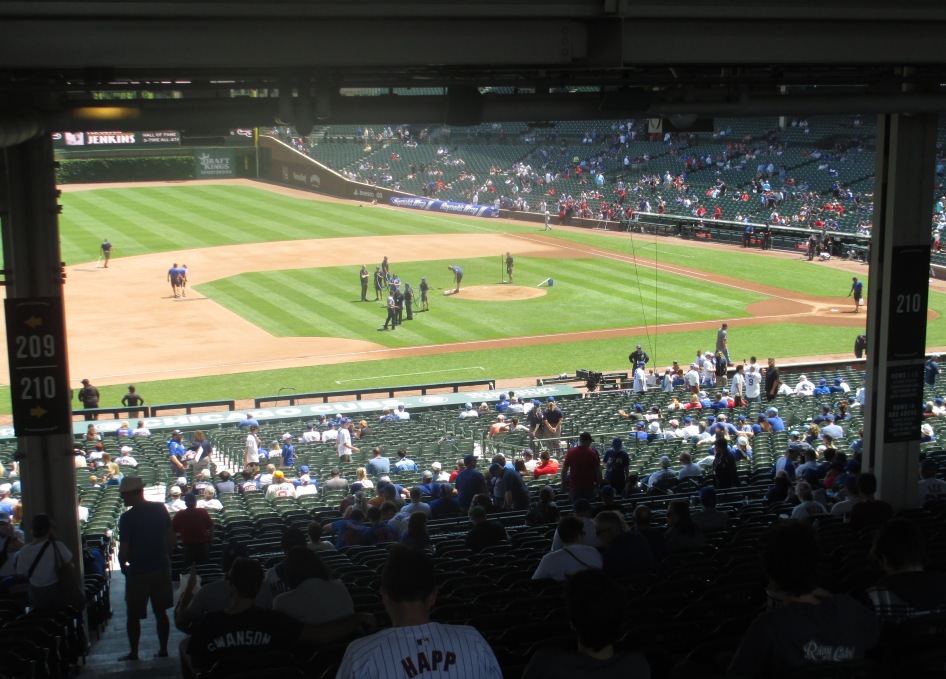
(89, 397)
(772, 381)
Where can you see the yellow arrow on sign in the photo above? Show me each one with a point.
(34, 322)
(38, 411)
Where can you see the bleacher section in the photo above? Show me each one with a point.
(697, 604)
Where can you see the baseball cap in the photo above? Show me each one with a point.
(278, 475)
(937, 400)
(286, 436)
(503, 397)
(741, 418)
(468, 406)
(436, 466)
(693, 365)
(177, 432)
(5, 488)
(126, 449)
(822, 382)
(536, 402)
(638, 407)
(616, 441)
(688, 420)
(772, 411)
(638, 346)
(837, 380)
(304, 469)
(794, 433)
(384, 479)
(130, 484)
(175, 490)
(829, 417)
(654, 427)
(641, 424)
(469, 459)
(551, 399)
(674, 422)
(742, 441)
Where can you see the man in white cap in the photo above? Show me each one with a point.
(439, 476)
(674, 432)
(805, 387)
(175, 504)
(468, 412)
(127, 457)
(147, 541)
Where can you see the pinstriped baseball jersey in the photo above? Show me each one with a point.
(430, 650)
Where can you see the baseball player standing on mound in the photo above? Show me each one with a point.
(414, 646)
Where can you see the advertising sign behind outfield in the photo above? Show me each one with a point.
(445, 206)
(216, 163)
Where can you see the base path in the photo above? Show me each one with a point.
(157, 337)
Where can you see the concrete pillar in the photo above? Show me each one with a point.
(897, 302)
(36, 336)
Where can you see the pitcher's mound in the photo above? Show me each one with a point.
(502, 293)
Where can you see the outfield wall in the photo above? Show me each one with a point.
(281, 164)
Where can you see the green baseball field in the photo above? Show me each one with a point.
(273, 296)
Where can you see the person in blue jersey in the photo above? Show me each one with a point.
(857, 291)
(457, 276)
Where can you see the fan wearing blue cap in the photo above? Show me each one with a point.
(640, 378)
(468, 412)
(774, 420)
(822, 389)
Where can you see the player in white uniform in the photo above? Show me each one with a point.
(416, 647)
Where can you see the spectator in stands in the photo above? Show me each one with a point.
(682, 533)
(663, 474)
(314, 597)
(404, 463)
(335, 481)
(249, 628)
(126, 457)
(274, 583)
(175, 504)
(724, 466)
(710, 519)
(780, 490)
(380, 525)
(930, 488)
(514, 493)
(212, 596)
(907, 590)
(311, 434)
(551, 429)
(468, 412)
(469, 482)
(484, 533)
(144, 557)
(316, 543)
(805, 387)
(401, 415)
(225, 485)
(808, 627)
(617, 462)
(141, 429)
(547, 465)
(581, 469)
(845, 498)
(363, 431)
(785, 464)
(416, 535)
(196, 530)
(808, 508)
(595, 612)
(868, 511)
(344, 442)
(249, 481)
(123, 431)
(446, 505)
(280, 487)
(378, 465)
(251, 447)
(625, 552)
(330, 434)
(248, 422)
(572, 557)
(688, 467)
(209, 500)
(409, 591)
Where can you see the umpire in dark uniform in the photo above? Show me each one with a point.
(409, 301)
(399, 304)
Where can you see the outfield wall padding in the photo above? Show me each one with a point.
(281, 164)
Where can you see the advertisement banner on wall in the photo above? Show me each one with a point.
(216, 163)
(446, 206)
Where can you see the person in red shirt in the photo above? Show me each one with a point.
(547, 466)
(581, 470)
(196, 529)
